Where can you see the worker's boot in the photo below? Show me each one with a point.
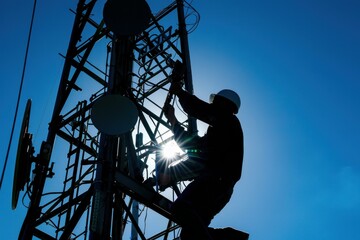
(228, 234)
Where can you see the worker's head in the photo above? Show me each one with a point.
(228, 99)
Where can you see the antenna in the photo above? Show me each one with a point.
(107, 117)
(23, 157)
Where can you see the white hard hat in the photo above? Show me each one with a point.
(230, 95)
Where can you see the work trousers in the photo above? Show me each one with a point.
(197, 205)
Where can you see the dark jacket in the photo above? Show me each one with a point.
(221, 149)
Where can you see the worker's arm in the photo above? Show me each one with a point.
(192, 105)
(182, 137)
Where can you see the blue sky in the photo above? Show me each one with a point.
(296, 66)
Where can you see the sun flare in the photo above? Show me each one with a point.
(170, 150)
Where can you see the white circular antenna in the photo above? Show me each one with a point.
(126, 17)
(114, 114)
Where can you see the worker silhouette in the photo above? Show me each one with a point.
(219, 153)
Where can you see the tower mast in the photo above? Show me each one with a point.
(108, 160)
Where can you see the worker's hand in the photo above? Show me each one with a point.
(175, 88)
(169, 113)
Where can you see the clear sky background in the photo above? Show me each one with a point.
(296, 66)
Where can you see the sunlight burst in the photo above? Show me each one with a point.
(170, 150)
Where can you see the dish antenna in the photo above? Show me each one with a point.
(24, 157)
(127, 18)
(114, 114)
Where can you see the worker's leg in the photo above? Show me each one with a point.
(193, 227)
(188, 211)
(201, 200)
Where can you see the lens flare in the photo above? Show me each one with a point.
(170, 150)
